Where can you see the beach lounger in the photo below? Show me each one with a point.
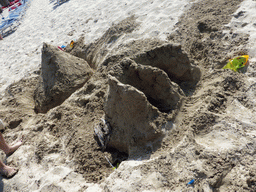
(10, 22)
(6, 24)
(58, 1)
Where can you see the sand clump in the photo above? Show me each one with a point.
(153, 82)
(134, 121)
(61, 75)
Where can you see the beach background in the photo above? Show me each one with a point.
(212, 133)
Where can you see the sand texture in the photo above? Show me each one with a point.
(141, 90)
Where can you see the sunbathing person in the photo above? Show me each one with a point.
(5, 170)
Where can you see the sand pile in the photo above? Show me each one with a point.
(162, 111)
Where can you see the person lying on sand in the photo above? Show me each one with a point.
(5, 170)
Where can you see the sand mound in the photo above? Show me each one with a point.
(172, 59)
(96, 52)
(160, 91)
(132, 118)
(61, 75)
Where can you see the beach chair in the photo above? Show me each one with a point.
(12, 21)
(58, 1)
(6, 24)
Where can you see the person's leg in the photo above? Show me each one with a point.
(4, 146)
(8, 149)
(7, 171)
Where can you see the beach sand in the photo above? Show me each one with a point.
(46, 22)
(209, 137)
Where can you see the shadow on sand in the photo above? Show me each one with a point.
(58, 3)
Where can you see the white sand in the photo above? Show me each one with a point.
(20, 52)
(246, 23)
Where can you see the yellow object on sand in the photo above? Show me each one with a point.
(72, 44)
(237, 63)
